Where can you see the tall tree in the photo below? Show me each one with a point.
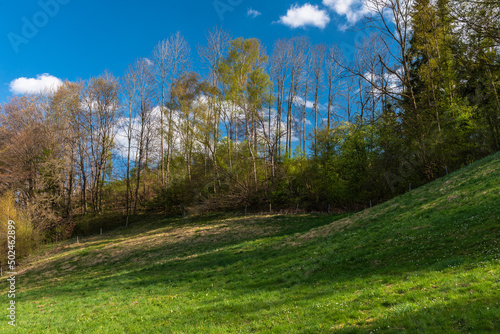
(65, 109)
(243, 73)
(297, 54)
(332, 71)
(100, 99)
(279, 74)
(139, 77)
(318, 54)
(211, 54)
(178, 62)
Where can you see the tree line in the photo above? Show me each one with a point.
(306, 125)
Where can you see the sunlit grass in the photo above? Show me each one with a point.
(425, 262)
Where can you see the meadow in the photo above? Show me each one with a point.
(427, 261)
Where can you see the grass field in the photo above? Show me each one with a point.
(425, 262)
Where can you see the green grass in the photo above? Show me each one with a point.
(425, 262)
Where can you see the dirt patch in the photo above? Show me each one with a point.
(165, 240)
(172, 237)
(487, 171)
(323, 231)
(448, 185)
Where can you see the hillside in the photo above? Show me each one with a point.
(427, 261)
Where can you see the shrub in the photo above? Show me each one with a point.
(26, 236)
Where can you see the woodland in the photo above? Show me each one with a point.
(291, 126)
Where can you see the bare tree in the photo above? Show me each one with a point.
(211, 54)
(65, 109)
(279, 74)
(178, 62)
(139, 86)
(185, 94)
(21, 117)
(100, 98)
(161, 76)
(129, 90)
(392, 20)
(171, 59)
(306, 81)
(317, 60)
(333, 71)
(297, 53)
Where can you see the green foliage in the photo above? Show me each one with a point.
(348, 164)
(242, 72)
(450, 67)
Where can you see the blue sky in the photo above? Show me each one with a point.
(72, 39)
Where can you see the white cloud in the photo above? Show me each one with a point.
(390, 82)
(306, 15)
(32, 86)
(300, 101)
(353, 10)
(121, 130)
(253, 13)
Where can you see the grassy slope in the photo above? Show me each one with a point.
(427, 261)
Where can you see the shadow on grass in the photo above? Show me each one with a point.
(249, 254)
(200, 252)
(462, 315)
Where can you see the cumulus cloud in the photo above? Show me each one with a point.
(32, 86)
(389, 82)
(121, 131)
(253, 13)
(353, 10)
(300, 101)
(306, 15)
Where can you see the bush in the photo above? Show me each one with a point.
(26, 236)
